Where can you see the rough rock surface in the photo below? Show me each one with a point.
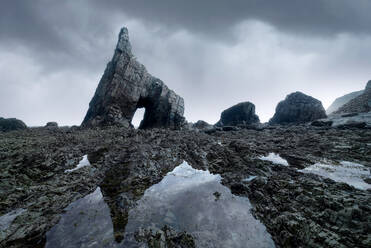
(298, 108)
(202, 125)
(240, 114)
(358, 120)
(299, 210)
(340, 101)
(360, 104)
(126, 86)
(165, 238)
(51, 124)
(11, 124)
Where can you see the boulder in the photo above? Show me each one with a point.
(298, 108)
(202, 125)
(51, 124)
(239, 114)
(11, 124)
(126, 86)
(360, 104)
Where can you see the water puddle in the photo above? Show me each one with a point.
(275, 159)
(7, 219)
(84, 162)
(196, 202)
(86, 223)
(346, 172)
(185, 200)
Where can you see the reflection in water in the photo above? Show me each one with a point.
(185, 200)
(86, 223)
(84, 162)
(7, 219)
(275, 159)
(346, 172)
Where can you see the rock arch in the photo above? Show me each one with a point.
(126, 86)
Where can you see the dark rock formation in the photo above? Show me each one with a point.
(339, 102)
(240, 114)
(202, 125)
(11, 124)
(360, 104)
(51, 124)
(298, 108)
(126, 86)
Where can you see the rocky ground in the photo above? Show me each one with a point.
(299, 210)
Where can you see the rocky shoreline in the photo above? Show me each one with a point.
(298, 209)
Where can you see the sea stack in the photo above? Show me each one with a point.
(298, 108)
(126, 86)
(240, 114)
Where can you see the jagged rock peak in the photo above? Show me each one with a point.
(123, 44)
(298, 108)
(126, 86)
(240, 114)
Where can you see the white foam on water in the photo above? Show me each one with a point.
(346, 172)
(7, 219)
(275, 159)
(83, 163)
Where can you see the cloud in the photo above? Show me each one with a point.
(321, 17)
(213, 53)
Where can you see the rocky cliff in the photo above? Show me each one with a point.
(126, 86)
(360, 104)
(298, 108)
(340, 101)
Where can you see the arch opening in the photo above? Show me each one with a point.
(138, 117)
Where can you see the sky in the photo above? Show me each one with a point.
(213, 53)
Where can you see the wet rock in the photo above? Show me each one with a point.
(322, 123)
(240, 114)
(11, 124)
(166, 238)
(298, 108)
(229, 128)
(352, 120)
(126, 86)
(299, 210)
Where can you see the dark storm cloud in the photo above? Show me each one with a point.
(44, 23)
(214, 53)
(321, 17)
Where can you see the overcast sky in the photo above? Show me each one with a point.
(214, 53)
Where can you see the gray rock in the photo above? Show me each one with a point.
(298, 108)
(126, 86)
(358, 120)
(11, 124)
(360, 104)
(239, 114)
(51, 124)
(202, 125)
(339, 102)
